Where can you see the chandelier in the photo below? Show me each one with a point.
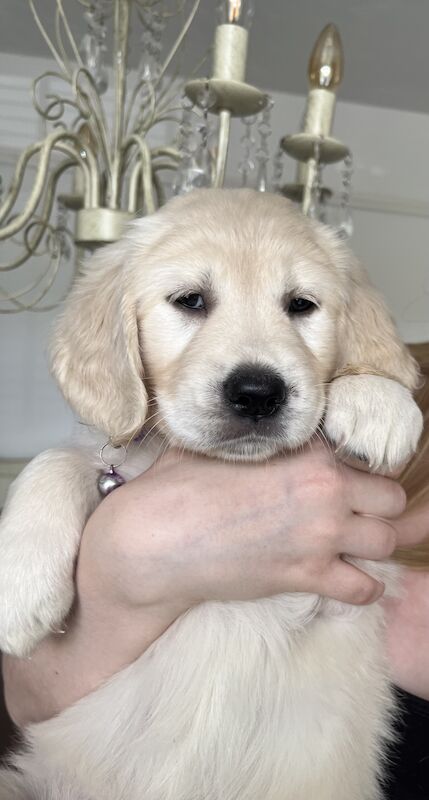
(105, 166)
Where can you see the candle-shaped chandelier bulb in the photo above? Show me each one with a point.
(326, 65)
(230, 95)
(314, 146)
(236, 12)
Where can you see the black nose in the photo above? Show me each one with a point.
(254, 392)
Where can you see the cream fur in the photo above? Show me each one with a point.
(286, 698)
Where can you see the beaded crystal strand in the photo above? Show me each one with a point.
(316, 210)
(193, 143)
(345, 221)
(153, 19)
(93, 45)
(247, 164)
(278, 166)
(262, 154)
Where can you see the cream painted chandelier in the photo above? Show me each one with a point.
(105, 166)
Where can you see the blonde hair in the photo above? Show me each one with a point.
(415, 477)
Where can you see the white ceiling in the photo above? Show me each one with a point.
(385, 43)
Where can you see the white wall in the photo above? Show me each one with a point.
(391, 195)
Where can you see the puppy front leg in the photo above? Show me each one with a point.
(45, 513)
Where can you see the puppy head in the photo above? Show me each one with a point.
(228, 309)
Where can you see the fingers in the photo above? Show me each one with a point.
(374, 494)
(348, 584)
(413, 527)
(370, 537)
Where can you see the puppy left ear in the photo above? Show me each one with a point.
(95, 352)
(368, 336)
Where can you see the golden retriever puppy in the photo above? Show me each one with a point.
(255, 326)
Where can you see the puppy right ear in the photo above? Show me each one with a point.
(95, 352)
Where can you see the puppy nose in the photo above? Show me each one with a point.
(254, 392)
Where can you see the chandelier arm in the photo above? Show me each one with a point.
(59, 41)
(84, 109)
(27, 289)
(42, 224)
(60, 101)
(20, 306)
(166, 113)
(176, 82)
(121, 34)
(146, 166)
(88, 165)
(168, 97)
(17, 179)
(152, 106)
(223, 144)
(159, 189)
(71, 39)
(61, 299)
(132, 100)
(196, 70)
(39, 225)
(134, 187)
(172, 88)
(165, 105)
(46, 147)
(170, 152)
(163, 165)
(9, 297)
(56, 100)
(94, 111)
(167, 117)
(178, 42)
(47, 39)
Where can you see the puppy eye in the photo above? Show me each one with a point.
(194, 301)
(300, 305)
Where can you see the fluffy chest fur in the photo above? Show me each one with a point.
(281, 698)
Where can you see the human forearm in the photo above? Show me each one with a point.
(408, 633)
(65, 668)
(407, 615)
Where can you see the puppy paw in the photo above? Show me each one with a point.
(34, 602)
(29, 622)
(45, 512)
(374, 419)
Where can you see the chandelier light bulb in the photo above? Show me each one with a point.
(236, 12)
(326, 65)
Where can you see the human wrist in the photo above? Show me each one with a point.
(129, 552)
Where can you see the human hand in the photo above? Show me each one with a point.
(193, 529)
